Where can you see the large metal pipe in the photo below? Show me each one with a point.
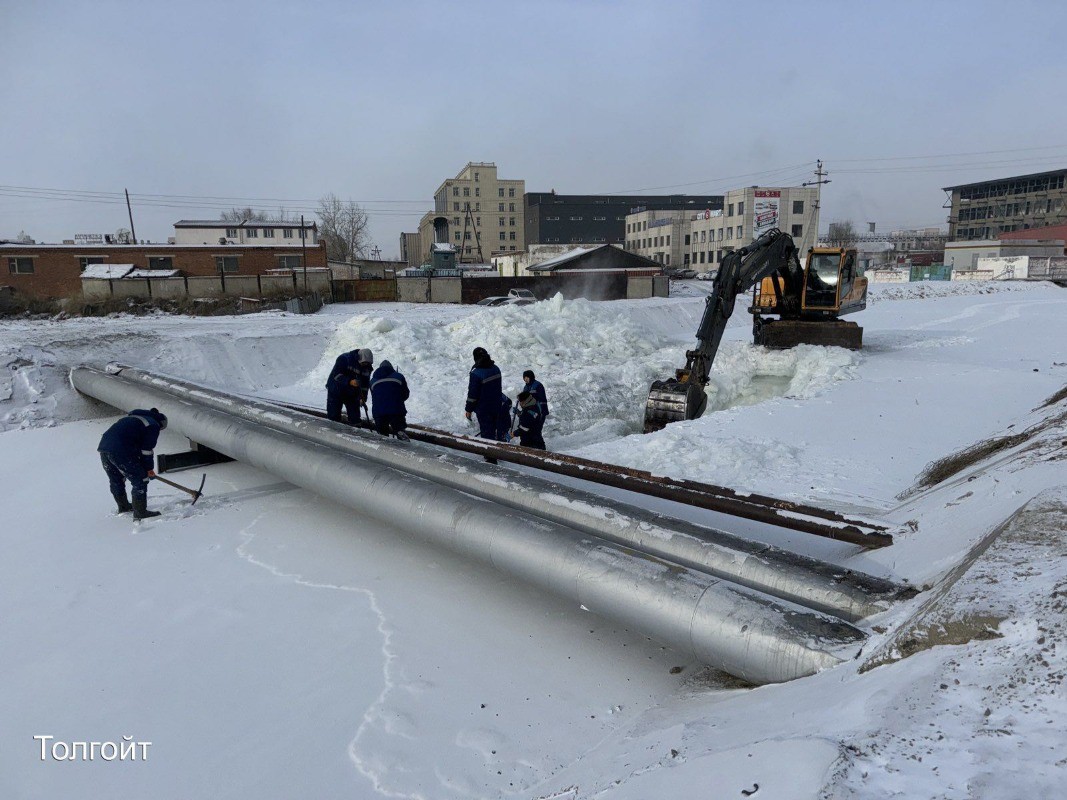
(806, 581)
(746, 634)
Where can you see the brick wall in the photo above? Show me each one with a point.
(57, 270)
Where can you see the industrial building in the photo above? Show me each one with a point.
(476, 211)
(583, 219)
(987, 209)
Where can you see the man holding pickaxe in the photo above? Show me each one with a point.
(126, 453)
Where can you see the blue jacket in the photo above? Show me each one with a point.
(483, 388)
(531, 420)
(504, 426)
(347, 368)
(537, 389)
(133, 437)
(388, 391)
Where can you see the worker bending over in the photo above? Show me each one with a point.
(348, 384)
(126, 453)
(388, 391)
(530, 423)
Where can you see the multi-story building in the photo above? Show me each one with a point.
(477, 212)
(273, 232)
(986, 209)
(658, 235)
(583, 219)
(709, 234)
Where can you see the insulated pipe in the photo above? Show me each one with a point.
(744, 634)
(780, 573)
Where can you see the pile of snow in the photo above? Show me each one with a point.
(932, 290)
(596, 361)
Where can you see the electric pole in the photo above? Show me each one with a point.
(820, 179)
(129, 211)
(304, 251)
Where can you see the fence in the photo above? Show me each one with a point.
(206, 286)
(355, 290)
(931, 272)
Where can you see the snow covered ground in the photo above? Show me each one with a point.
(271, 644)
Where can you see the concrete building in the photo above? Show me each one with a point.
(660, 236)
(214, 232)
(410, 249)
(1051, 233)
(964, 255)
(478, 212)
(709, 234)
(986, 209)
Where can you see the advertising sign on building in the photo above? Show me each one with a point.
(765, 211)
(88, 238)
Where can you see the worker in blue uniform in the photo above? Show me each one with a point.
(530, 423)
(537, 389)
(348, 384)
(388, 391)
(126, 454)
(484, 395)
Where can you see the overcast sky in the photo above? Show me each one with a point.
(381, 101)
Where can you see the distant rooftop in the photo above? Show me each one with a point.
(1048, 174)
(256, 223)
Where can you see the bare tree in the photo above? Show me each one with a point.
(843, 233)
(343, 227)
(243, 215)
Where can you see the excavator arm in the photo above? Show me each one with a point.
(683, 397)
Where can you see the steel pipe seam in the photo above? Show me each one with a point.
(651, 595)
(789, 576)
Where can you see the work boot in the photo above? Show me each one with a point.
(140, 509)
(123, 503)
(403, 437)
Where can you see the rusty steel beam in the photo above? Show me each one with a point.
(759, 508)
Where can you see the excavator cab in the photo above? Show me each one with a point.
(807, 307)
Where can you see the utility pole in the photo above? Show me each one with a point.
(304, 251)
(129, 210)
(377, 253)
(820, 179)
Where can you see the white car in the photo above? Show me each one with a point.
(493, 301)
(522, 294)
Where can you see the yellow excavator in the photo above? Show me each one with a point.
(791, 305)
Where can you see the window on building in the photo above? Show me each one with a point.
(160, 262)
(511, 235)
(477, 206)
(686, 240)
(20, 265)
(499, 206)
(685, 260)
(668, 241)
(511, 206)
(466, 191)
(720, 234)
(668, 260)
(798, 231)
(798, 206)
(231, 233)
(477, 191)
(500, 221)
(511, 222)
(500, 193)
(730, 232)
(730, 213)
(599, 219)
(703, 236)
(466, 235)
(225, 264)
(287, 233)
(576, 238)
(740, 208)
(251, 233)
(268, 233)
(457, 236)
(290, 262)
(511, 192)
(85, 261)
(455, 206)
(627, 227)
(718, 255)
(303, 233)
(478, 221)
(503, 236)
(475, 177)
(701, 256)
(740, 231)
(455, 220)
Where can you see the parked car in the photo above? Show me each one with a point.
(686, 274)
(493, 301)
(519, 301)
(706, 276)
(522, 294)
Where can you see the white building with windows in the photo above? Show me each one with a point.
(747, 213)
(659, 235)
(214, 231)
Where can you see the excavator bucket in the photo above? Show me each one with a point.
(673, 401)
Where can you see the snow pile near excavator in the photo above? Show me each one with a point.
(597, 362)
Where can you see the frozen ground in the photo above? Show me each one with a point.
(271, 644)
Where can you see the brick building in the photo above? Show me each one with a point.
(52, 270)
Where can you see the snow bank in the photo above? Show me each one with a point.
(596, 360)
